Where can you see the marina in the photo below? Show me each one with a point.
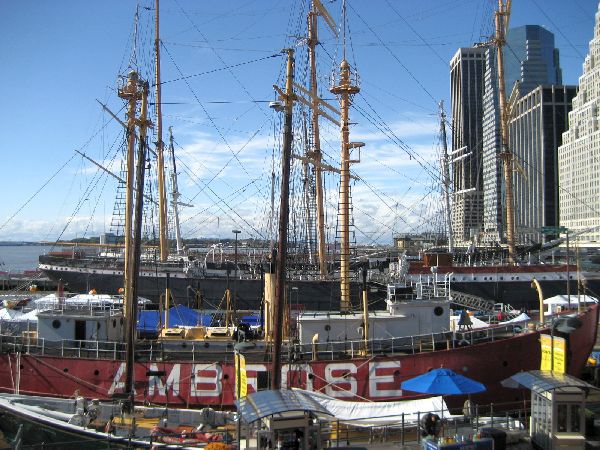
(478, 333)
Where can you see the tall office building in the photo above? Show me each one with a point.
(493, 212)
(535, 133)
(466, 90)
(530, 58)
(579, 156)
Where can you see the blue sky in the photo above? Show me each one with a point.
(58, 58)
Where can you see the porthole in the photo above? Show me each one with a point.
(96, 372)
(504, 363)
(438, 310)
(226, 376)
(65, 370)
(327, 327)
(56, 323)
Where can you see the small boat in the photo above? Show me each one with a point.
(78, 423)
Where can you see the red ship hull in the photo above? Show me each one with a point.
(194, 384)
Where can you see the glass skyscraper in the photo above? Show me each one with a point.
(530, 58)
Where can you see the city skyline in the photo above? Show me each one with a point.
(54, 75)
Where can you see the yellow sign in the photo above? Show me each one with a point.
(241, 380)
(554, 351)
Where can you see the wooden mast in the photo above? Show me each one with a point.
(137, 239)
(134, 90)
(502, 16)
(446, 176)
(316, 154)
(160, 160)
(288, 98)
(130, 93)
(175, 195)
(344, 91)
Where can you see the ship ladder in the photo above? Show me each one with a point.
(472, 302)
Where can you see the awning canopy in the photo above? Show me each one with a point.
(267, 403)
(541, 381)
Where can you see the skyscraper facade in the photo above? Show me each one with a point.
(535, 133)
(492, 164)
(530, 58)
(466, 89)
(579, 155)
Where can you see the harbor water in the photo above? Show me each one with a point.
(20, 258)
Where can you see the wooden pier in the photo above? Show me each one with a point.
(26, 281)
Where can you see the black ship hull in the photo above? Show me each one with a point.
(521, 294)
(205, 291)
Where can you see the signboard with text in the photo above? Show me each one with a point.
(554, 350)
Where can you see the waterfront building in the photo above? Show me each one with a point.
(537, 123)
(579, 154)
(466, 90)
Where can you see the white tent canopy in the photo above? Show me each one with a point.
(378, 414)
(520, 318)
(563, 299)
(8, 314)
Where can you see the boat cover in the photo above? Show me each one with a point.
(179, 316)
(379, 414)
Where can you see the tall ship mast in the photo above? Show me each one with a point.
(345, 90)
(502, 18)
(162, 196)
(315, 154)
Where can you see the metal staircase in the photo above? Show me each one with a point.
(473, 302)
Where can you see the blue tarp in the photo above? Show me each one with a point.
(251, 320)
(178, 316)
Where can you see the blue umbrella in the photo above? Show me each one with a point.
(442, 382)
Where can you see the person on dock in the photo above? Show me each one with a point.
(464, 322)
(431, 425)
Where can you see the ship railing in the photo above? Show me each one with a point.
(201, 351)
(30, 344)
(331, 350)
